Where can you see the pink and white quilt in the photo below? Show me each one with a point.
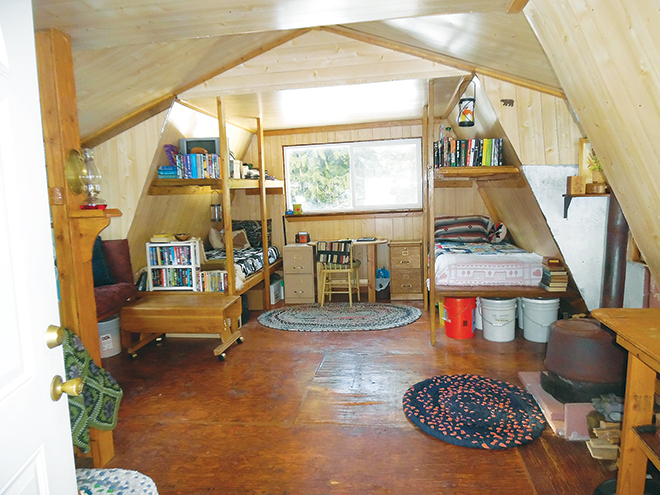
(483, 264)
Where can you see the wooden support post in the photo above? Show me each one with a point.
(264, 212)
(74, 229)
(226, 198)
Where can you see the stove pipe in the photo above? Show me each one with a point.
(614, 273)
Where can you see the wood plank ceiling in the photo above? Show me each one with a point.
(133, 57)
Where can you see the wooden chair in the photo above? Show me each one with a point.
(338, 271)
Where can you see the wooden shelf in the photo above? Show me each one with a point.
(161, 187)
(501, 291)
(107, 213)
(475, 173)
(649, 443)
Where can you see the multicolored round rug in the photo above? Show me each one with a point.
(339, 317)
(474, 411)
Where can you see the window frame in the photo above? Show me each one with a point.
(359, 143)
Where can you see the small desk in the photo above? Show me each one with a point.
(371, 263)
(195, 312)
(638, 331)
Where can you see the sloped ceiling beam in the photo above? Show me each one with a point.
(516, 6)
(361, 33)
(605, 54)
(163, 101)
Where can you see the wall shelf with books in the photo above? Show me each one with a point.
(161, 187)
(475, 173)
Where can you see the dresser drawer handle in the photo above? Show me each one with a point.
(403, 262)
(409, 286)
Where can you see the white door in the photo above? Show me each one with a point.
(36, 453)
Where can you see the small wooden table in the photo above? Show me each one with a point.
(638, 331)
(196, 312)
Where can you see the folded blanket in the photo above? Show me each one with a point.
(98, 404)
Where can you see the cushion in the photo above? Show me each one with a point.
(111, 298)
(473, 228)
(118, 258)
(253, 230)
(100, 269)
(217, 239)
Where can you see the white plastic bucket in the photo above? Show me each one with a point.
(521, 319)
(478, 320)
(539, 314)
(499, 319)
(109, 337)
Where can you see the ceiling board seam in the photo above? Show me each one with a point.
(441, 59)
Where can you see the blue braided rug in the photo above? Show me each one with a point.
(474, 411)
(339, 317)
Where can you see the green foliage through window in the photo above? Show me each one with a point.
(354, 176)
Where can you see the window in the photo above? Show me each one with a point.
(361, 176)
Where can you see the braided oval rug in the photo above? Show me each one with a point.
(474, 411)
(339, 317)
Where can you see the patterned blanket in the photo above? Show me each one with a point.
(249, 260)
(98, 404)
(483, 264)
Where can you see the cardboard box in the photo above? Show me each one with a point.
(255, 298)
(576, 185)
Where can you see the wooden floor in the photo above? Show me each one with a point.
(320, 413)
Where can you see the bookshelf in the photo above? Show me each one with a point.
(173, 266)
(160, 187)
(474, 173)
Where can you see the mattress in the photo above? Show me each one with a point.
(249, 260)
(483, 264)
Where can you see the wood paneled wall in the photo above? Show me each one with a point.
(605, 54)
(540, 127)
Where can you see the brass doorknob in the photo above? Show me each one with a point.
(54, 336)
(70, 387)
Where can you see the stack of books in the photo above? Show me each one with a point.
(555, 276)
(450, 152)
(169, 172)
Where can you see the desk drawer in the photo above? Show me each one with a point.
(408, 281)
(298, 259)
(405, 256)
(299, 288)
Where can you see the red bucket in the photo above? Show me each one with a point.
(458, 314)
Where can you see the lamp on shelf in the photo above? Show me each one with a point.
(466, 108)
(90, 176)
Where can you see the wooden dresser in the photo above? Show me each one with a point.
(298, 274)
(406, 270)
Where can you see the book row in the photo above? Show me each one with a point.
(191, 166)
(450, 152)
(212, 281)
(338, 252)
(171, 277)
(170, 255)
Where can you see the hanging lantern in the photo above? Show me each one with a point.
(466, 108)
(216, 208)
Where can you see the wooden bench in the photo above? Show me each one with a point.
(157, 313)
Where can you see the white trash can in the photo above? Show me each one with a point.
(109, 337)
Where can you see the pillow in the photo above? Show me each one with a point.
(100, 269)
(217, 239)
(253, 230)
(473, 228)
(497, 233)
(240, 239)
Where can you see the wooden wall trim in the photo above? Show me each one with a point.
(342, 127)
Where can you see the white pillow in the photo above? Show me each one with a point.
(217, 238)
